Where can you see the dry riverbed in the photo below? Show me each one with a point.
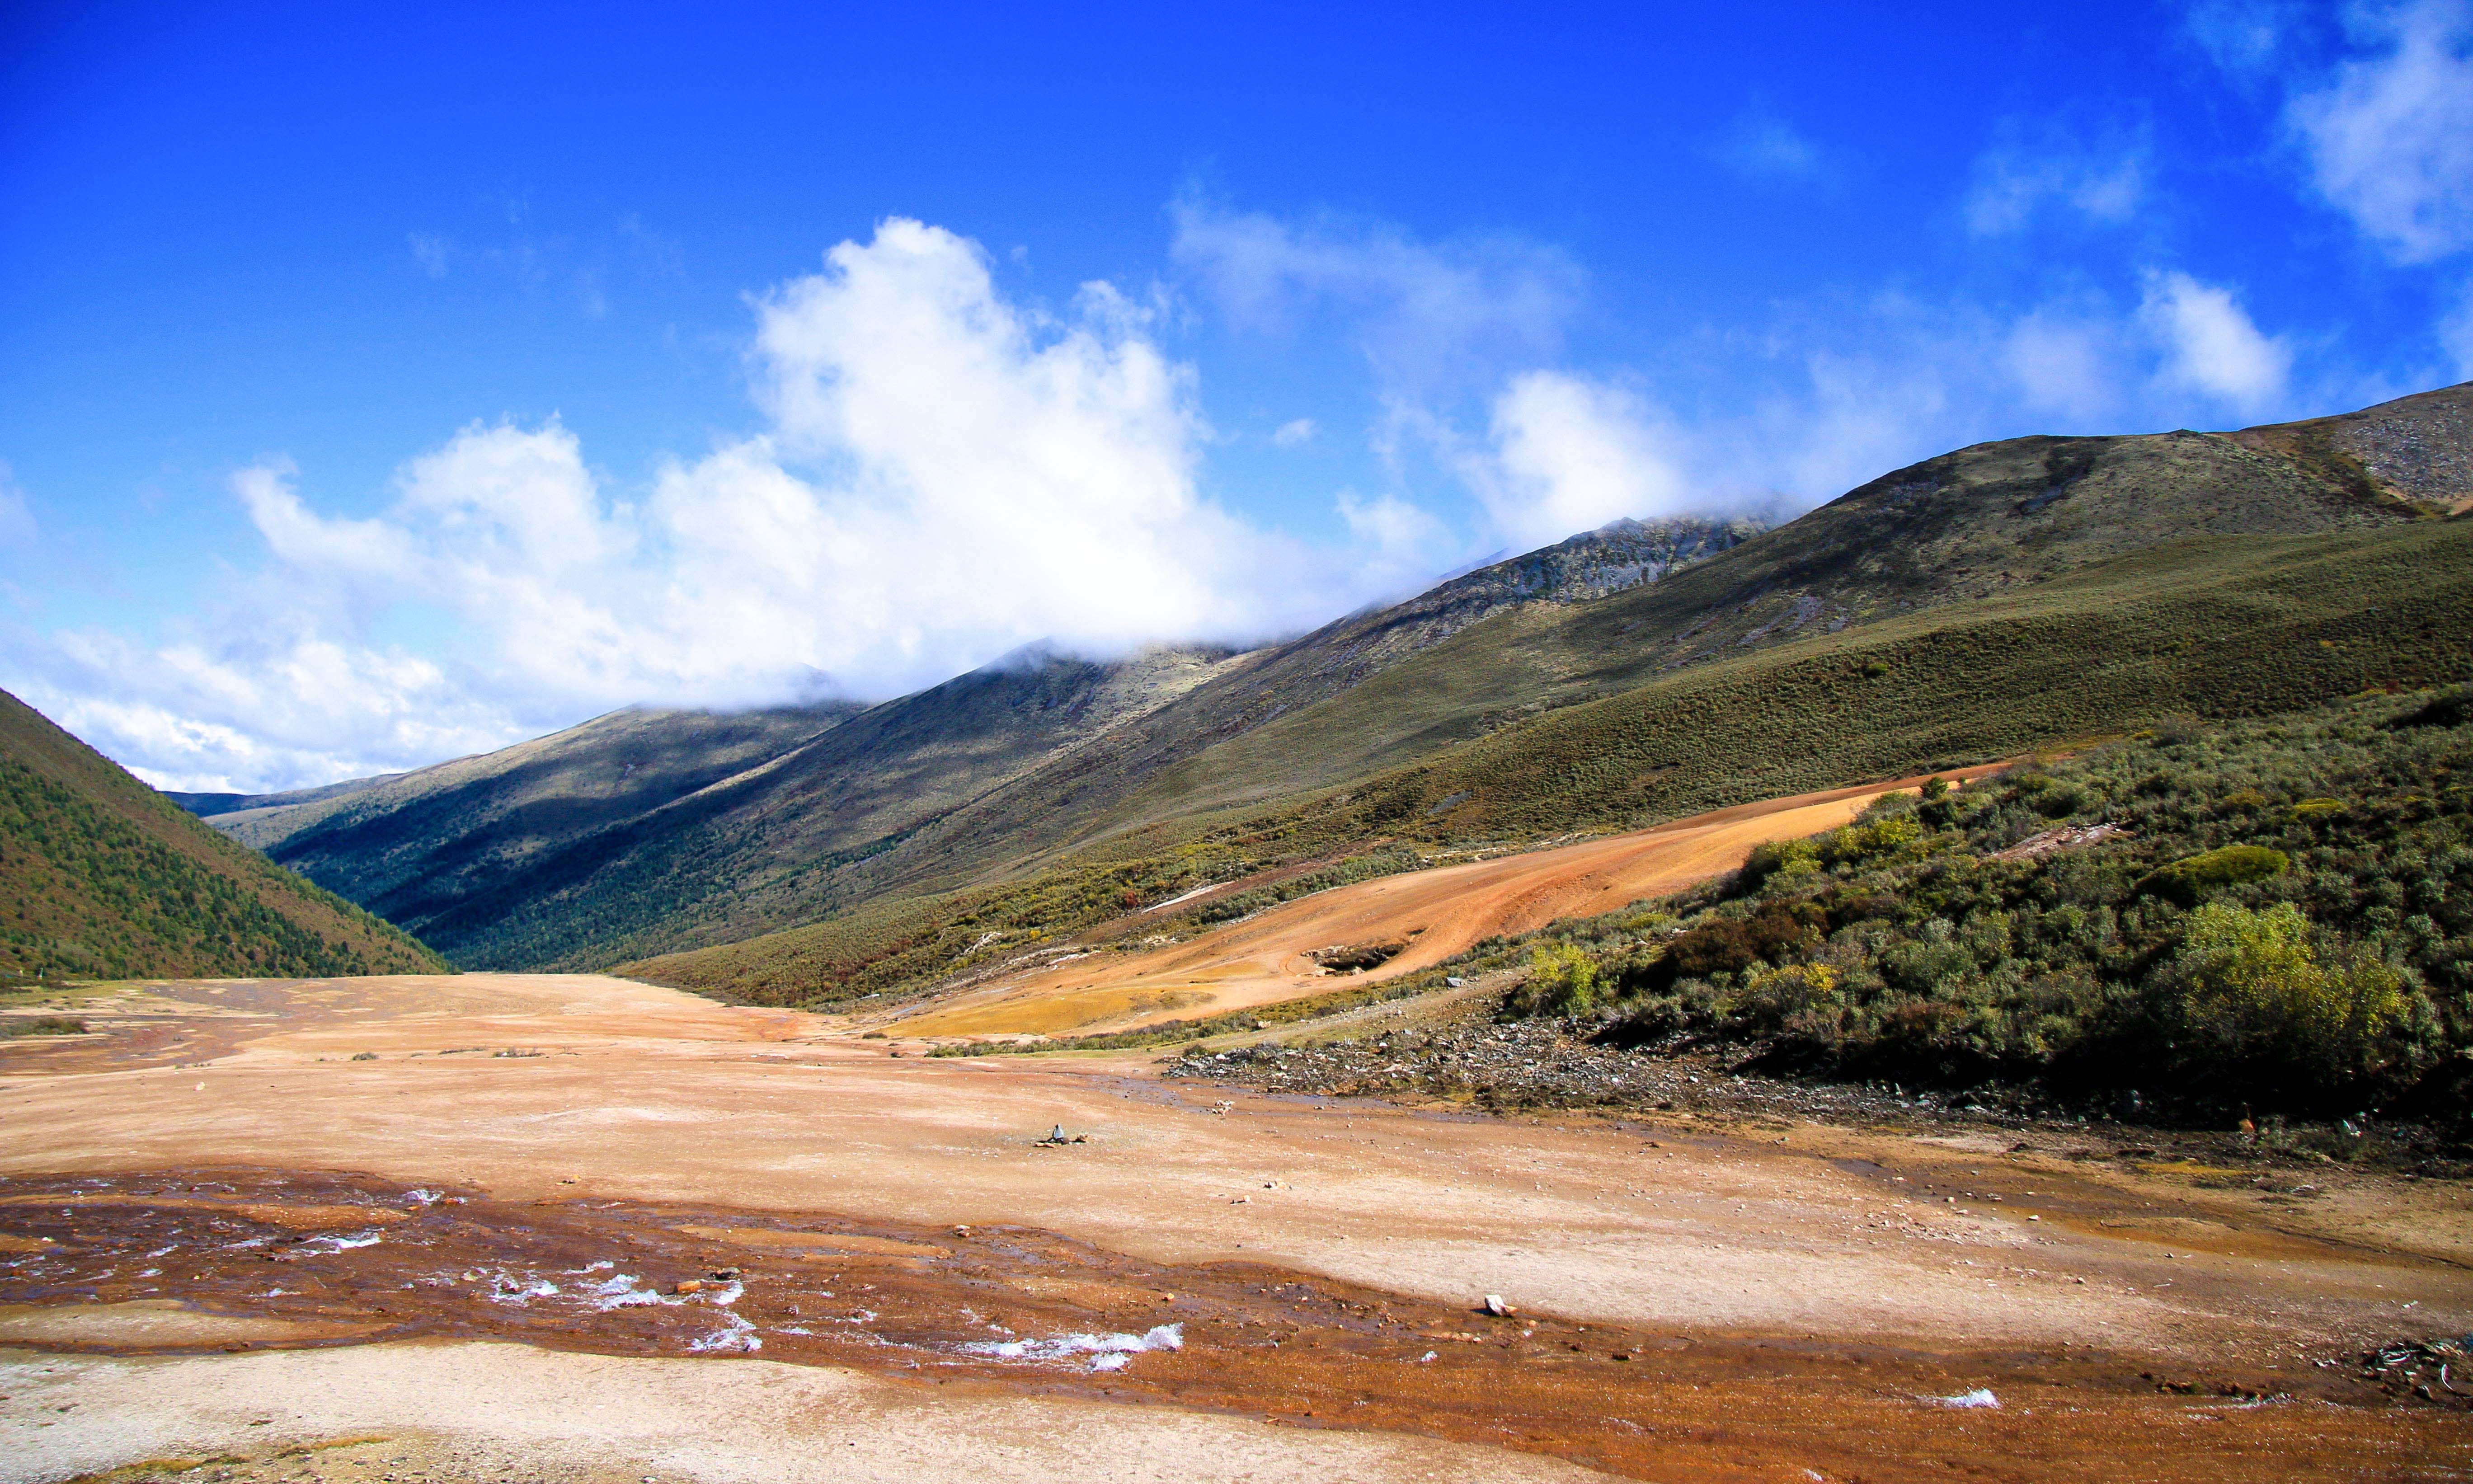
(562, 1227)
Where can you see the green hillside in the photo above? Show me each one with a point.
(103, 877)
(2281, 914)
(1987, 599)
(530, 858)
(2215, 628)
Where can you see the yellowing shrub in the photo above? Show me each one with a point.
(2252, 982)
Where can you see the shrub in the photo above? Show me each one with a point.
(40, 1025)
(1805, 995)
(2193, 876)
(1780, 859)
(2220, 951)
(1852, 845)
(2250, 983)
(1562, 981)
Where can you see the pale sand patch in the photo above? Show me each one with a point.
(740, 1422)
(142, 1323)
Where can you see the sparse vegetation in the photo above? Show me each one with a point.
(2228, 947)
(2212, 630)
(40, 1025)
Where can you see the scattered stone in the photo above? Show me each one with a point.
(1495, 1305)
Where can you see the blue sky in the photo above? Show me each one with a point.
(381, 386)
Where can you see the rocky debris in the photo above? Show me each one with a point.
(1495, 1305)
(2069, 837)
(1058, 1135)
(2432, 1371)
(1531, 1064)
(1350, 957)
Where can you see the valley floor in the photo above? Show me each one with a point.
(577, 1228)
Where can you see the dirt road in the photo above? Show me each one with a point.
(1433, 915)
(1778, 1295)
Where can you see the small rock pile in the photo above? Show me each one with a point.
(2431, 1370)
(1531, 1064)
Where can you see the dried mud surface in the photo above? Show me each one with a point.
(385, 1172)
(1044, 1313)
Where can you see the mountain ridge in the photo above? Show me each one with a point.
(984, 779)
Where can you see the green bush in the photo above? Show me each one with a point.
(2187, 879)
(1562, 981)
(40, 1025)
(2251, 985)
(2217, 951)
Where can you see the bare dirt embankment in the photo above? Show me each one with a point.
(1428, 916)
(1698, 1300)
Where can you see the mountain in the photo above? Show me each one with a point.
(1990, 601)
(753, 821)
(103, 877)
(1997, 597)
(223, 806)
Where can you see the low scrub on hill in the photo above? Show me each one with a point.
(2276, 915)
(898, 944)
(90, 894)
(2217, 629)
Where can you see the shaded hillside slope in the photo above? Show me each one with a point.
(2219, 627)
(1995, 518)
(893, 810)
(103, 877)
(499, 861)
(225, 808)
(488, 861)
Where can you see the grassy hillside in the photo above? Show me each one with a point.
(2213, 626)
(2280, 915)
(103, 877)
(1001, 775)
(562, 851)
(769, 839)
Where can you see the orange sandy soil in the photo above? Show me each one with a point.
(1786, 1294)
(1438, 913)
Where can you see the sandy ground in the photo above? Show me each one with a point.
(487, 1411)
(576, 1088)
(1437, 914)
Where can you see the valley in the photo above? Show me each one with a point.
(834, 1247)
(1977, 979)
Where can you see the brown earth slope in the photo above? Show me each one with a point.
(1416, 921)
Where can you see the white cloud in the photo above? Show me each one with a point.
(2068, 359)
(2209, 344)
(1569, 455)
(1294, 433)
(2456, 334)
(1427, 314)
(17, 521)
(2011, 184)
(2244, 35)
(1763, 145)
(433, 252)
(2390, 137)
(945, 476)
